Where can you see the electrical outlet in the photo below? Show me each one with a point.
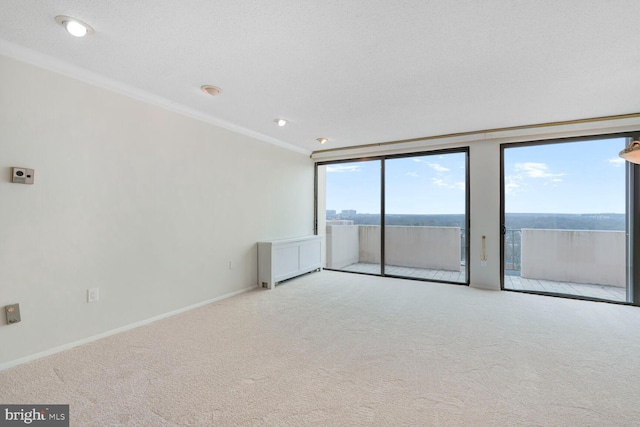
(92, 295)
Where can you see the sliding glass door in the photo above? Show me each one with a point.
(425, 216)
(350, 193)
(401, 216)
(566, 218)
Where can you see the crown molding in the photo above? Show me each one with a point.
(58, 66)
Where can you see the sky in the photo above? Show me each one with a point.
(431, 184)
(576, 177)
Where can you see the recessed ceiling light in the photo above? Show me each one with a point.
(322, 140)
(280, 122)
(211, 90)
(74, 26)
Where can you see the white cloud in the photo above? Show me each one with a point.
(617, 161)
(343, 168)
(412, 174)
(438, 168)
(518, 182)
(435, 166)
(447, 184)
(535, 170)
(511, 186)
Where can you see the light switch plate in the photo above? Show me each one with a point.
(22, 175)
(13, 313)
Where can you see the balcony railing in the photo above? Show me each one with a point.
(578, 256)
(512, 245)
(416, 247)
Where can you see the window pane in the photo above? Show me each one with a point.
(565, 219)
(425, 217)
(352, 215)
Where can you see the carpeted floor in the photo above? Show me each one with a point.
(337, 349)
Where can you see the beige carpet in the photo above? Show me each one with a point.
(337, 349)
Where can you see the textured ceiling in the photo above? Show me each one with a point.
(356, 72)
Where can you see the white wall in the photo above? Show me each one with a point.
(484, 218)
(423, 247)
(147, 205)
(342, 245)
(369, 244)
(420, 247)
(580, 256)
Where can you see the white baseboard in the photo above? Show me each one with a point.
(64, 347)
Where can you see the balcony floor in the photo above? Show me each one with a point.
(518, 283)
(611, 293)
(417, 273)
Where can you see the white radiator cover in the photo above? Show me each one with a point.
(280, 260)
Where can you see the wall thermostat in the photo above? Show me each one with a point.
(22, 175)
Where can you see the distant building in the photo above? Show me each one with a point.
(348, 212)
(331, 213)
(340, 222)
